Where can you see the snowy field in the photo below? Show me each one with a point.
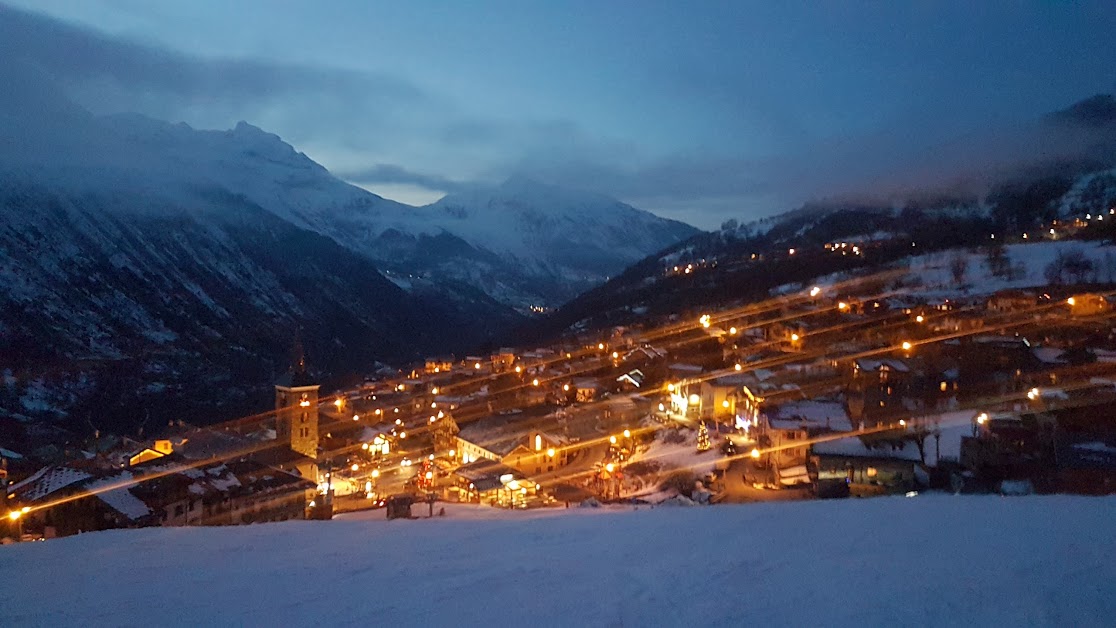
(930, 560)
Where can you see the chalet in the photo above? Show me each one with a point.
(1088, 304)
(718, 398)
(785, 429)
(632, 380)
(491, 482)
(165, 491)
(1086, 465)
(503, 360)
(439, 364)
(856, 466)
(1011, 301)
(494, 438)
(586, 389)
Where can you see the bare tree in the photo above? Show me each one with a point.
(958, 267)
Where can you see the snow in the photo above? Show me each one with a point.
(959, 560)
(45, 481)
(120, 499)
(810, 414)
(930, 278)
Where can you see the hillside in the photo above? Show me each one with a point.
(939, 561)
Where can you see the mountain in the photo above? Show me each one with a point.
(1069, 171)
(150, 269)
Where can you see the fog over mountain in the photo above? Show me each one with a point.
(759, 109)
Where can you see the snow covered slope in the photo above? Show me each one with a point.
(926, 561)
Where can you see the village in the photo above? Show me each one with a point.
(823, 391)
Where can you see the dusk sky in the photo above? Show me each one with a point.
(697, 111)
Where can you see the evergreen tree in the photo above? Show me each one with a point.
(703, 437)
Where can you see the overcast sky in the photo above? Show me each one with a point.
(698, 111)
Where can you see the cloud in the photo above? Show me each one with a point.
(393, 174)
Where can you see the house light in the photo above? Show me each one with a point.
(815, 291)
(550, 452)
(725, 403)
(538, 442)
(694, 400)
(477, 366)
(790, 251)
(1071, 301)
(434, 390)
(662, 408)
(566, 387)
(842, 306)
(338, 402)
(355, 467)
(670, 387)
(609, 467)
(920, 318)
(304, 403)
(794, 337)
(356, 417)
(902, 423)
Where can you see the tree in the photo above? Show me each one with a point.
(998, 261)
(703, 437)
(958, 266)
(1069, 266)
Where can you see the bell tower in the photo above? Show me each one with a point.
(296, 409)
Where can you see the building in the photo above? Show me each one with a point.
(1088, 304)
(1011, 301)
(532, 452)
(166, 491)
(296, 411)
(438, 364)
(503, 360)
(492, 482)
(852, 466)
(785, 430)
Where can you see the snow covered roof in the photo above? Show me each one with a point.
(809, 414)
(854, 447)
(46, 481)
(893, 364)
(119, 499)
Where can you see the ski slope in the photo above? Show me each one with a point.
(927, 561)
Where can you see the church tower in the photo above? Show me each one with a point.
(296, 410)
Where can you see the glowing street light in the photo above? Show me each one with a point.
(612, 439)
(1071, 301)
(815, 291)
(600, 346)
(338, 402)
(794, 337)
(842, 306)
(355, 467)
(738, 366)
(627, 433)
(550, 453)
(755, 453)
(920, 318)
(732, 331)
(906, 346)
(615, 355)
(609, 467)
(535, 382)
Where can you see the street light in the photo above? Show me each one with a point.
(755, 453)
(612, 439)
(627, 433)
(906, 346)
